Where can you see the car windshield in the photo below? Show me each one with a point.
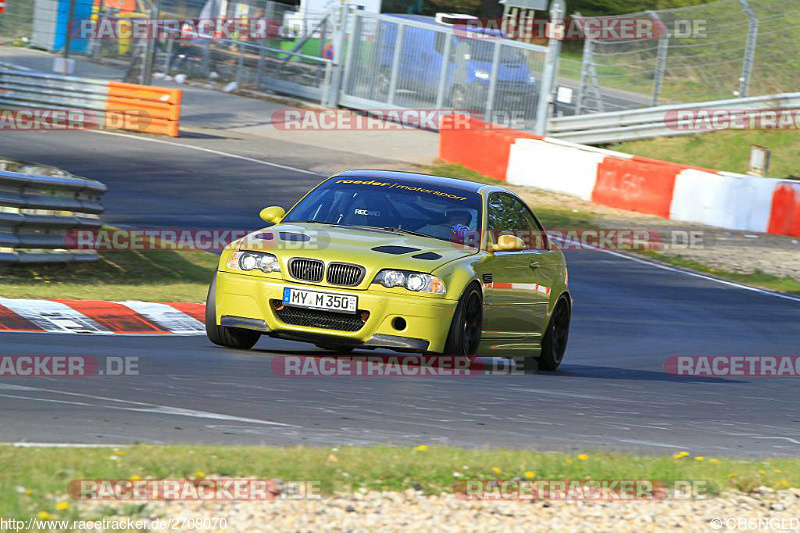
(429, 210)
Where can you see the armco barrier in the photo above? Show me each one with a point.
(669, 190)
(37, 211)
(471, 143)
(785, 216)
(116, 105)
(635, 186)
(663, 121)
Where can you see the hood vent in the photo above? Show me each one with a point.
(429, 256)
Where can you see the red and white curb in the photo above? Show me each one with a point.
(101, 318)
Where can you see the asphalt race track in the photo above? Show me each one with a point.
(612, 392)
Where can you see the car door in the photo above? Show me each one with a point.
(516, 290)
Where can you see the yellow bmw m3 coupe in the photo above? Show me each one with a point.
(401, 261)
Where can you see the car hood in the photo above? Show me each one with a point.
(373, 249)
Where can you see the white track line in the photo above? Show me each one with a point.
(210, 151)
(62, 445)
(689, 273)
(129, 405)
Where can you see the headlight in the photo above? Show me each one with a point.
(481, 74)
(412, 281)
(254, 260)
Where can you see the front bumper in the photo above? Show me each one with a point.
(247, 302)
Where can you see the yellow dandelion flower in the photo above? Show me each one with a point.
(700, 458)
(119, 453)
(136, 477)
(44, 515)
(530, 475)
(422, 448)
(199, 474)
(778, 471)
(715, 461)
(680, 455)
(62, 506)
(731, 474)
(582, 457)
(761, 472)
(496, 469)
(28, 492)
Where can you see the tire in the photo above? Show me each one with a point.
(555, 339)
(465, 330)
(240, 339)
(341, 350)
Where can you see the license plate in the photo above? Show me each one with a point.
(325, 301)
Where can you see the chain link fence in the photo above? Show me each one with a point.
(405, 62)
(721, 50)
(16, 23)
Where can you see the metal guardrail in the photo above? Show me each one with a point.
(651, 122)
(36, 89)
(107, 104)
(36, 212)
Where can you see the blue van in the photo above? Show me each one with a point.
(468, 70)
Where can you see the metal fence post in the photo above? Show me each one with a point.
(557, 10)
(749, 51)
(340, 28)
(492, 82)
(355, 43)
(448, 43)
(661, 60)
(149, 48)
(168, 53)
(398, 46)
(240, 66)
(326, 85)
(269, 12)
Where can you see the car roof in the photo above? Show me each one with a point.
(414, 177)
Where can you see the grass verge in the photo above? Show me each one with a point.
(34, 480)
(567, 218)
(723, 150)
(158, 276)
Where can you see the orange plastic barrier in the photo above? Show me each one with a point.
(635, 185)
(152, 109)
(785, 216)
(145, 92)
(478, 145)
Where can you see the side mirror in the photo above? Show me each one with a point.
(272, 214)
(506, 243)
